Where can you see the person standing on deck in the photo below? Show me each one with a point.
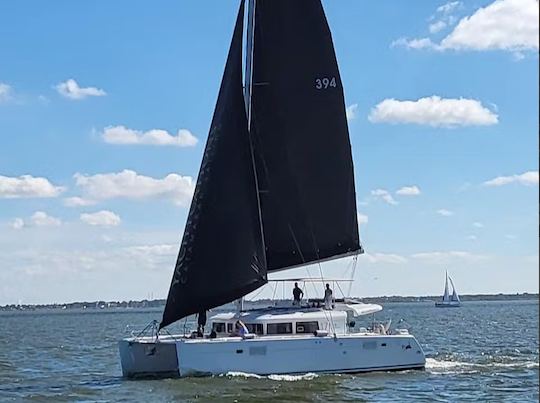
(298, 294)
(328, 297)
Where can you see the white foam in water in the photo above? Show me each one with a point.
(292, 378)
(451, 366)
(527, 364)
(275, 377)
(432, 363)
(242, 374)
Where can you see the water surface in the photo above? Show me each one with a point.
(483, 351)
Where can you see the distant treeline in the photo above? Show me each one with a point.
(159, 303)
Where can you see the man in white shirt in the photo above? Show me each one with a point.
(328, 298)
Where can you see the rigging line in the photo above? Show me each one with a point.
(301, 255)
(338, 286)
(248, 87)
(256, 295)
(331, 321)
(326, 312)
(185, 323)
(354, 262)
(296, 242)
(275, 290)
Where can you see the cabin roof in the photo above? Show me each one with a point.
(280, 315)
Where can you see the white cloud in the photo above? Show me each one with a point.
(478, 225)
(42, 219)
(384, 195)
(448, 7)
(5, 92)
(70, 89)
(445, 213)
(447, 256)
(471, 237)
(510, 236)
(529, 178)
(504, 24)
(153, 250)
(38, 219)
(129, 184)
(78, 202)
(408, 191)
(510, 25)
(27, 186)
(123, 135)
(362, 218)
(352, 111)
(103, 218)
(433, 111)
(437, 26)
(383, 258)
(415, 43)
(17, 223)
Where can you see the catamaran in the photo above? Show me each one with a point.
(449, 301)
(275, 191)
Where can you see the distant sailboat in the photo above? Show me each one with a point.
(451, 301)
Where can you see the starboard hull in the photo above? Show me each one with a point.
(351, 353)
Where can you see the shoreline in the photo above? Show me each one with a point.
(98, 306)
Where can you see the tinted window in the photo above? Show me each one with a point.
(256, 328)
(229, 327)
(307, 327)
(279, 328)
(219, 327)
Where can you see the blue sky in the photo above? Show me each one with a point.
(105, 108)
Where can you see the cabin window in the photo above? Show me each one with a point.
(229, 327)
(279, 328)
(307, 327)
(256, 328)
(218, 327)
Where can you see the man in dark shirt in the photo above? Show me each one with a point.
(297, 294)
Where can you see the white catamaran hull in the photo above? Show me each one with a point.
(351, 353)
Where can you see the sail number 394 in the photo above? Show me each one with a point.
(324, 83)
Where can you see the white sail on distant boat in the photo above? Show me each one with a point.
(449, 301)
(275, 191)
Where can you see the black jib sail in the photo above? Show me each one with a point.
(221, 256)
(300, 134)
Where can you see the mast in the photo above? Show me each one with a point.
(249, 58)
(248, 86)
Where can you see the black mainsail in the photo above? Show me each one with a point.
(300, 132)
(278, 191)
(221, 255)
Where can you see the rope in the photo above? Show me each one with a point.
(171, 335)
(256, 295)
(354, 263)
(326, 313)
(185, 323)
(274, 293)
(153, 324)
